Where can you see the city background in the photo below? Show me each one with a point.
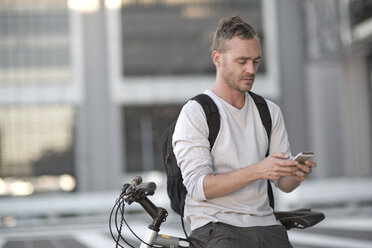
(88, 86)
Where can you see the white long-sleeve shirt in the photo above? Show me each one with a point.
(241, 141)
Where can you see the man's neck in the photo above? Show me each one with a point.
(234, 97)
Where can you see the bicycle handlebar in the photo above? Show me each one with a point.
(138, 192)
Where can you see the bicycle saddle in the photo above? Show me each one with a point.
(299, 218)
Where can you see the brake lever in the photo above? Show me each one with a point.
(130, 194)
(130, 188)
(137, 190)
(125, 187)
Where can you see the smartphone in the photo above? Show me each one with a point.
(303, 156)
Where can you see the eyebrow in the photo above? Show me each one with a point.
(248, 58)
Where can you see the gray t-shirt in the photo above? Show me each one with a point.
(241, 141)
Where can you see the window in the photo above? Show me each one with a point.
(174, 37)
(36, 118)
(34, 44)
(144, 126)
(35, 141)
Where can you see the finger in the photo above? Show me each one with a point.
(280, 155)
(301, 174)
(286, 169)
(288, 163)
(304, 171)
(278, 171)
(297, 178)
(310, 163)
(304, 168)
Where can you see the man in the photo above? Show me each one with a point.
(227, 203)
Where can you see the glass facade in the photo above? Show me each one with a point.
(34, 44)
(36, 135)
(36, 140)
(163, 37)
(144, 126)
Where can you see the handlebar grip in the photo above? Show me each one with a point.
(148, 188)
(136, 181)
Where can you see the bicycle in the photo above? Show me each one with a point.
(138, 191)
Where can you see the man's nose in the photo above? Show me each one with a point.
(250, 68)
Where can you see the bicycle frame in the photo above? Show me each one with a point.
(154, 238)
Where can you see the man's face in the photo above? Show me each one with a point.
(239, 63)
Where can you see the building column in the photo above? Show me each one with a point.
(324, 80)
(291, 63)
(98, 131)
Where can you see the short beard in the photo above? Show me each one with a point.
(236, 87)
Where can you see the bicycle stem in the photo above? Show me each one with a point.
(158, 215)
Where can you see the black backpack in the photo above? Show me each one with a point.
(175, 188)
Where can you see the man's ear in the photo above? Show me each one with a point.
(216, 57)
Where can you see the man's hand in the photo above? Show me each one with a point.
(304, 170)
(289, 183)
(277, 165)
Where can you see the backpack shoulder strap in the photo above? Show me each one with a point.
(213, 116)
(264, 111)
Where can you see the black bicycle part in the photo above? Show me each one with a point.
(137, 192)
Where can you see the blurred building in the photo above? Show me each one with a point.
(87, 87)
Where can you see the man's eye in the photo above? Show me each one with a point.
(242, 62)
(256, 61)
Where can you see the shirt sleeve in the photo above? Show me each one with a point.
(191, 148)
